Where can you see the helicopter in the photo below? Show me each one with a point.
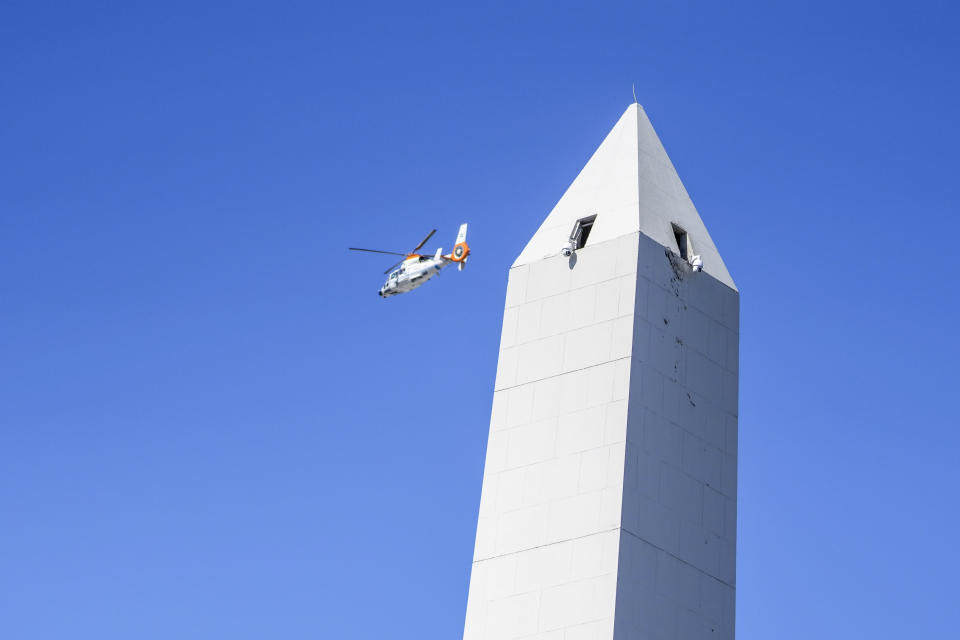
(416, 268)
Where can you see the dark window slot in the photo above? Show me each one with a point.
(581, 231)
(683, 242)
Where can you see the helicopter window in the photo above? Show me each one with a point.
(393, 276)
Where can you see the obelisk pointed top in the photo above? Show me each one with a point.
(631, 185)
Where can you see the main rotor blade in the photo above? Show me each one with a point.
(392, 253)
(392, 267)
(429, 235)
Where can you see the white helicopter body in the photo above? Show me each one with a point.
(415, 269)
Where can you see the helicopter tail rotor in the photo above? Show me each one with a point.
(461, 250)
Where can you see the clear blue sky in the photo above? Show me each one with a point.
(212, 427)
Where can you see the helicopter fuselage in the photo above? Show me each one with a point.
(411, 274)
(416, 268)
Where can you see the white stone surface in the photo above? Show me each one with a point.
(631, 184)
(608, 505)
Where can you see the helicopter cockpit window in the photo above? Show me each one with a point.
(393, 275)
